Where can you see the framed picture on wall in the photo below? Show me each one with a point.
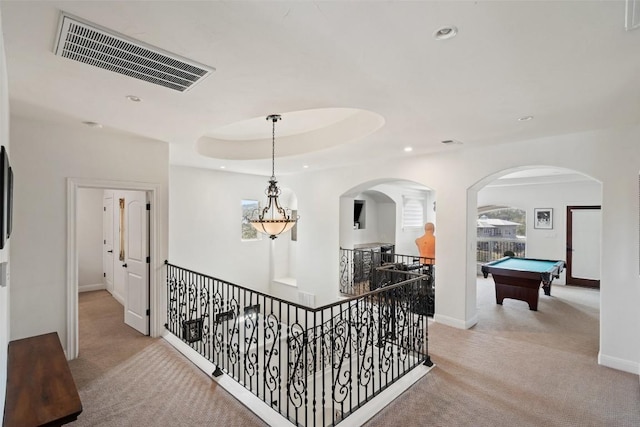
(543, 218)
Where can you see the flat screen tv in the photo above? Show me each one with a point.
(5, 197)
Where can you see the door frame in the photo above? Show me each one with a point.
(104, 260)
(589, 283)
(153, 192)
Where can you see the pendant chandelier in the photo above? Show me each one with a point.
(273, 220)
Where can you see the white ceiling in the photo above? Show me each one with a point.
(570, 64)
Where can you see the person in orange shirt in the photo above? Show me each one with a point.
(427, 244)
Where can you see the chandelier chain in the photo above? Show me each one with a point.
(273, 147)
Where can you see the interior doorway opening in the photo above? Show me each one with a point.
(143, 254)
(546, 191)
(113, 248)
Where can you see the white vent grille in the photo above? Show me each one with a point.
(88, 43)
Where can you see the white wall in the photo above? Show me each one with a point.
(284, 250)
(387, 222)
(205, 226)
(5, 306)
(45, 155)
(90, 239)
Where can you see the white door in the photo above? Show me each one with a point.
(583, 245)
(107, 233)
(136, 262)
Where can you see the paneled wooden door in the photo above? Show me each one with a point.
(136, 309)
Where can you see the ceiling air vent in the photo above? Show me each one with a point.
(86, 42)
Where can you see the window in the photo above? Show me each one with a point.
(249, 207)
(412, 212)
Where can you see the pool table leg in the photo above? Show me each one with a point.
(528, 295)
(546, 287)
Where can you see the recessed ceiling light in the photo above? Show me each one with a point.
(223, 167)
(451, 142)
(93, 124)
(306, 166)
(408, 149)
(134, 98)
(525, 118)
(444, 33)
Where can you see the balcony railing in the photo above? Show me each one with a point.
(358, 272)
(493, 249)
(313, 366)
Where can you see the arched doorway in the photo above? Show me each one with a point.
(382, 206)
(552, 191)
(380, 222)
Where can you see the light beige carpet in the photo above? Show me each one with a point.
(127, 379)
(516, 367)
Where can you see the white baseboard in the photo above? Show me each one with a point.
(256, 405)
(271, 417)
(455, 323)
(388, 395)
(94, 287)
(118, 298)
(619, 364)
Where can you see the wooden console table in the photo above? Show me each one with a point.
(40, 388)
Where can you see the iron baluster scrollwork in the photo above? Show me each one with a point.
(341, 361)
(218, 338)
(296, 383)
(172, 300)
(346, 272)
(192, 301)
(182, 303)
(251, 328)
(315, 366)
(233, 331)
(204, 314)
(271, 364)
(364, 332)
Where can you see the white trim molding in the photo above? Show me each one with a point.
(156, 264)
(620, 364)
(93, 287)
(456, 323)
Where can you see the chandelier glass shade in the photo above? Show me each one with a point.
(273, 220)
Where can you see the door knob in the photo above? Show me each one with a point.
(124, 265)
(110, 252)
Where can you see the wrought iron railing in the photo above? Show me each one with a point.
(314, 366)
(493, 249)
(358, 269)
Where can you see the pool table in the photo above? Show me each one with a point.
(520, 278)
